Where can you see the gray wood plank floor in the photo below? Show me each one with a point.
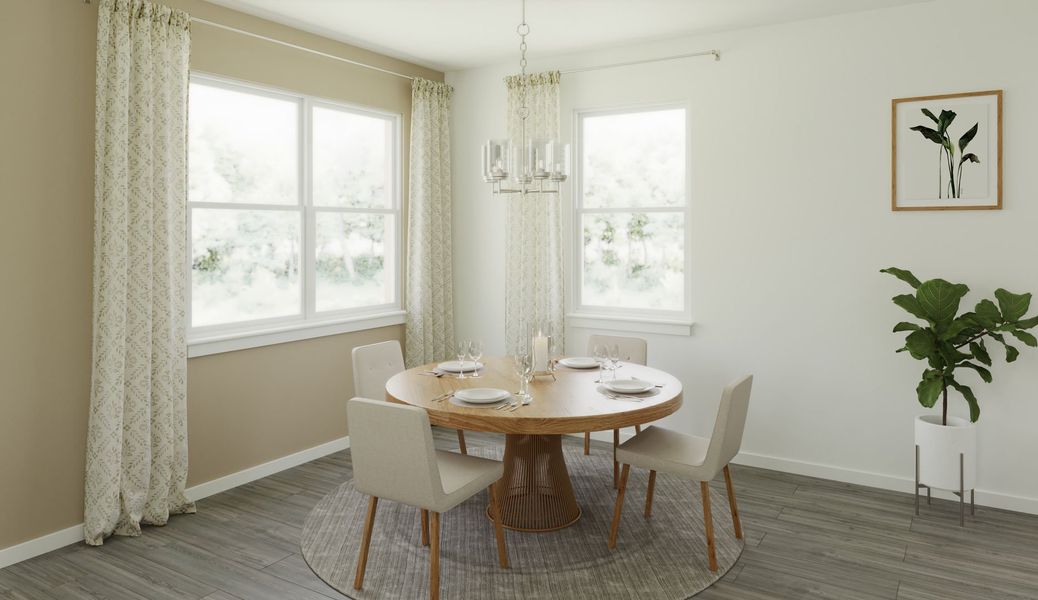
(805, 538)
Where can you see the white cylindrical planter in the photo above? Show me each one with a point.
(939, 449)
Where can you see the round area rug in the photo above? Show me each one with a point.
(660, 557)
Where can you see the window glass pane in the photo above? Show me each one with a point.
(634, 260)
(633, 160)
(355, 260)
(352, 159)
(244, 265)
(242, 147)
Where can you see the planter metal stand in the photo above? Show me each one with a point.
(961, 493)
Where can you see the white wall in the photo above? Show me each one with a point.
(792, 221)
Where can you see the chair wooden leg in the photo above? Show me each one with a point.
(499, 530)
(425, 527)
(369, 525)
(708, 521)
(461, 442)
(637, 428)
(731, 502)
(616, 465)
(648, 494)
(434, 558)
(587, 443)
(615, 529)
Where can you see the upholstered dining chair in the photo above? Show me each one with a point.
(391, 446)
(632, 349)
(373, 365)
(690, 457)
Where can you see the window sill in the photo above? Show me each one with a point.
(229, 342)
(628, 323)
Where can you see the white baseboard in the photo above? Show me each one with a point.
(879, 480)
(209, 488)
(41, 545)
(74, 534)
(845, 475)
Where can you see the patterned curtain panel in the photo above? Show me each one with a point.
(136, 466)
(430, 296)
(533, 228)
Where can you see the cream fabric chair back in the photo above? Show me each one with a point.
(729, 425)
(632, 349)
(373, 365)
(393, 454)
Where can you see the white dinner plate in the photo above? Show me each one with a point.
(481, 395)
(454, 366)
(579, 362)
(629, 386)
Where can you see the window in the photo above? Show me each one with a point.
(632, 213)
(293, 210)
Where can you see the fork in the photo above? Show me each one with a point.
(525, 401)
(514, 402)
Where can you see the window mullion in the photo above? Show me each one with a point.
(309, 219)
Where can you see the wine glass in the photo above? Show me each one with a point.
(614, 360)
(475, 353)
(463, 349)
(601, 356)
(522, 363)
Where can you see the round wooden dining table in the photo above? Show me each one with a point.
(536, 492)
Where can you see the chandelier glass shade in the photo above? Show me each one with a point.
(526, 165)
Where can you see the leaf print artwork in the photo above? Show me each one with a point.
(946, 151)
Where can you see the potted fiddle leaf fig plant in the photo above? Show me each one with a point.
(951, 344)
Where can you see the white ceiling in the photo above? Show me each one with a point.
(459, 34)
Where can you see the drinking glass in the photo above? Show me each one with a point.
(601, 356)
(614, 360)
(463, 349)
(475, 353)
(522, 363)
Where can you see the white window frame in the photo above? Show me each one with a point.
(673, 322)
(213, 339)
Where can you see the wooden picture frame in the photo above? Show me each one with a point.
(921, 125)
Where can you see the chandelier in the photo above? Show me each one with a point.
(529, 165)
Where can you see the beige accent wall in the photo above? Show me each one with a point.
(244, 408)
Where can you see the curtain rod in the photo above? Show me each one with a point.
(715, 53)
(298, 47)
(295, 46)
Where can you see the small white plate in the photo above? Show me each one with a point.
(453, 366)
(579, 362)
(481, 395)
(629, 386)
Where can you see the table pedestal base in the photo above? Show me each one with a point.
(536, 493)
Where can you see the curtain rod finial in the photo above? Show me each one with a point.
(716, 53)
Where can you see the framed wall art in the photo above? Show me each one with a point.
(947, 152)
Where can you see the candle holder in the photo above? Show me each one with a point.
(542, 349)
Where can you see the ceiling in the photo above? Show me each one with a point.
(459, 34)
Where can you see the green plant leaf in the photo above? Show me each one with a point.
(927, 112)
(987, 314)
(955, 328)
(909, 303)
(968, 137)
(930, 388)
(950, 354)
(903, 275)
(1014, 306)
(984, 373)
(929, 134)
(1025, 337)
(980, 352)
(1011, 352)
(973, 158)
(971, 399)
(921, 344)
(940, 299)
(905, 326)
(1027, 323)
(945, 120)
